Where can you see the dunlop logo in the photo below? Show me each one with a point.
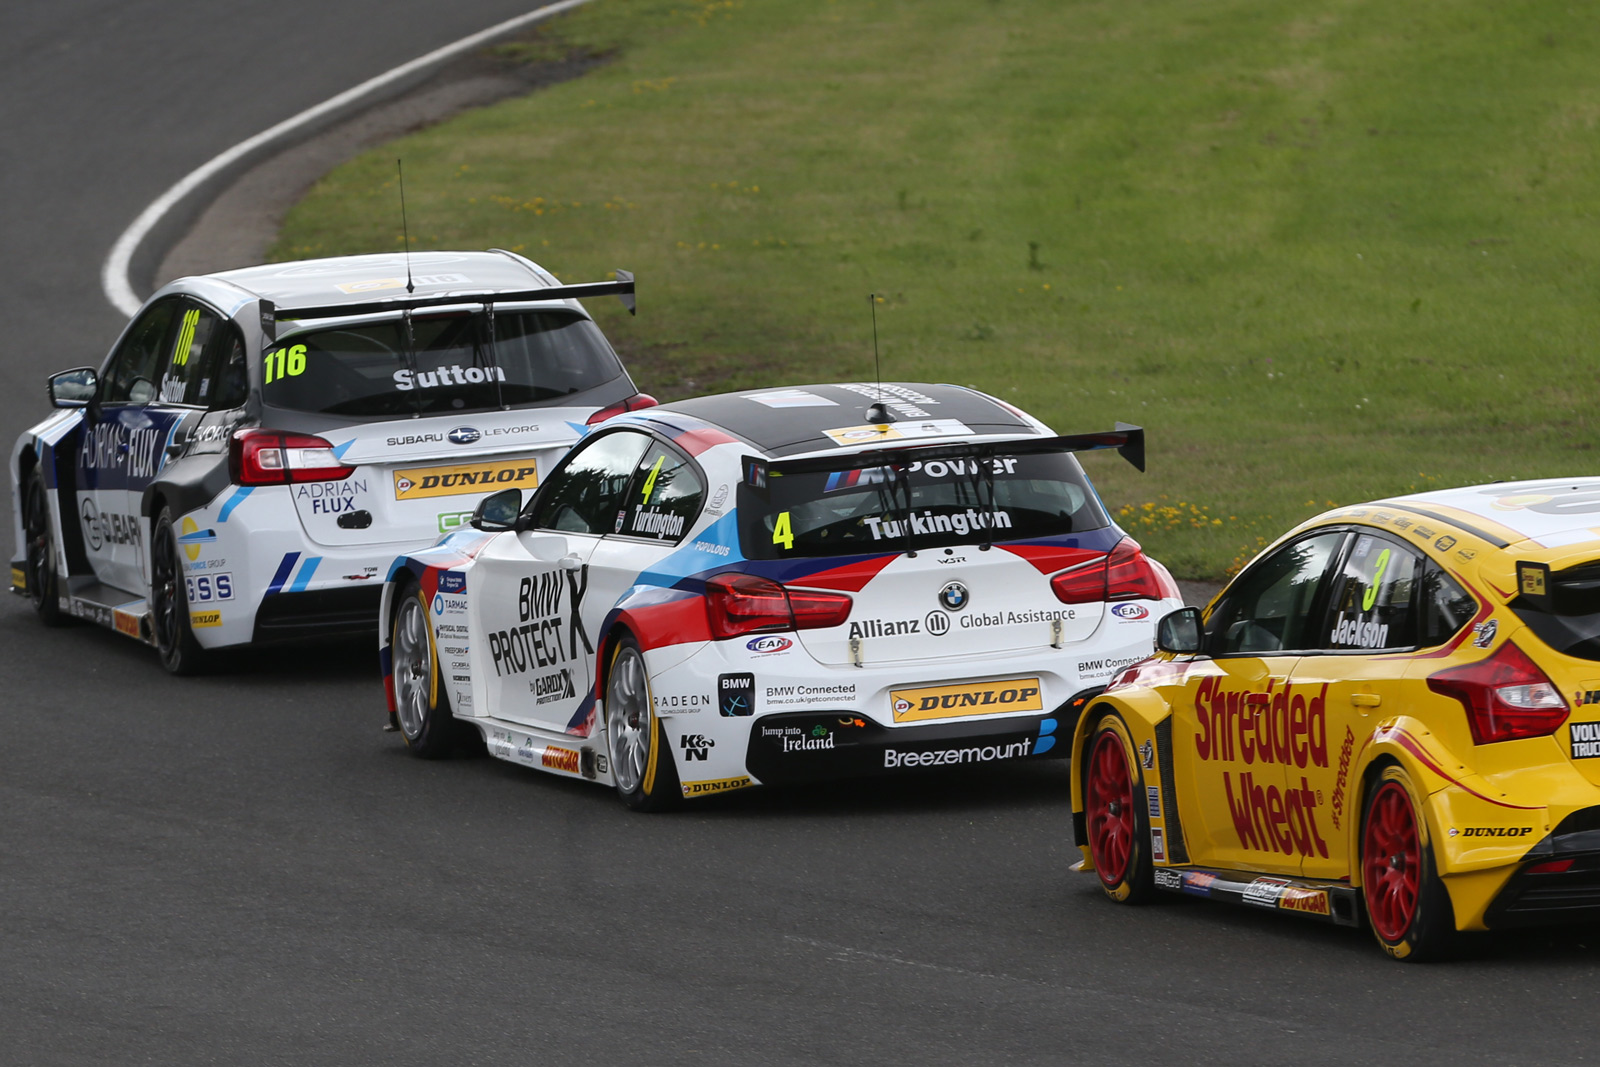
(465, 478)
(960, 701)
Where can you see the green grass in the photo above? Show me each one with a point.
(1322, 256)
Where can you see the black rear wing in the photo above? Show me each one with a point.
(1128, 440)
(622, 288)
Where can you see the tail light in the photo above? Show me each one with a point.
(268, 457)
(746, 604)
(633, 403)
(1125, 573)
(1506, 695)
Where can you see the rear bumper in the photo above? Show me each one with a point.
(1539, 898)
(321, 613)
(814, 746)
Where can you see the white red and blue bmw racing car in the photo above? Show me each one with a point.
(260, 443)
(777, 586)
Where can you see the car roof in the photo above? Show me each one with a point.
(1546, 512)
(358, 279)
(795, 420)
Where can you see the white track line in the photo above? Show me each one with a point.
(114, 274)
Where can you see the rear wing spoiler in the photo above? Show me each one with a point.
(622, 288)
(1128, 440)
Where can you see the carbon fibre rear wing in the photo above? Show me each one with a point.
(1127, 439)
(622, 289)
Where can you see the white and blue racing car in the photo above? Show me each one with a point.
(260, 443)
(777, 586)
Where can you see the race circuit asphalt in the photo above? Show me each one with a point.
(242, 868)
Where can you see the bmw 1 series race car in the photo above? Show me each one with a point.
(260, 443)
(783, 585)
(1395, 710)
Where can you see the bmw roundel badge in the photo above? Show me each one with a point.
(463, 435)
(953, 596)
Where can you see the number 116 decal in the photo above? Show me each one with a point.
(208, 587)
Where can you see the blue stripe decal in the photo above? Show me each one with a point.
(234, 501)
(284, 570)
(303, 579)
(340, 450)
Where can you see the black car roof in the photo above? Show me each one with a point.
(795, 419)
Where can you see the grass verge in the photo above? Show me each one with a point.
(1322, 256)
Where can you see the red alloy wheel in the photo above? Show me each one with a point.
(1109, 803)
(1391, 862)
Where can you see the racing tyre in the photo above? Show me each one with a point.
(1118, 827)
(44, 587)
(1408, 907)
(641, 759)
(422, 708)
(169, 603)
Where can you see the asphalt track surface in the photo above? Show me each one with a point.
(242, 868)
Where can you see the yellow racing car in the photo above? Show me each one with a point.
(1393, 710)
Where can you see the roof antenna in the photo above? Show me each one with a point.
(877, 414)
(405, 231)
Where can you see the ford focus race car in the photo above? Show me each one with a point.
(1395, 709)
(777, 586)
(260, 443)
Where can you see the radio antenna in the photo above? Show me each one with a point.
(877, 414)
(405, 231)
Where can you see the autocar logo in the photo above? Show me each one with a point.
(463, 435)
(1130, 611)
(953, 596)
(769, 644)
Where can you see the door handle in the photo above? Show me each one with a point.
(570, 562)
(1366, 700)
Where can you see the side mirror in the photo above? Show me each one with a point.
(73, 388)
(498, 511)
(1179, 631)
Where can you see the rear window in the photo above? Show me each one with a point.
(857, 511)
(1568, 620)
(364, 370)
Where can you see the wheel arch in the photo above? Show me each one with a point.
(1141, 711)
(388, 602)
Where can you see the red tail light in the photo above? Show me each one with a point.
(1506, 695)
(1549, 867)
(633, 403)
(746, 604)
(1123, 574)
(268, 457)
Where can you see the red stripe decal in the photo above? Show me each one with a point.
(1047, 559)
(1411, 745)
(851, 578)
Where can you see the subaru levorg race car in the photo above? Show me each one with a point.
(260, 443)
(1395, 709)
(782, 585)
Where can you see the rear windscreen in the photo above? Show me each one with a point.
(858, 511)
(1569, 619)
(448, 364)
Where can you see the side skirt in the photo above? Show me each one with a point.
(1332, 902)
(102, 605)
(542, 750)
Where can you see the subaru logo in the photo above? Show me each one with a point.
(953, 596)
(463, 435)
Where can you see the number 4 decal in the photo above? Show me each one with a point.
(782, 532)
